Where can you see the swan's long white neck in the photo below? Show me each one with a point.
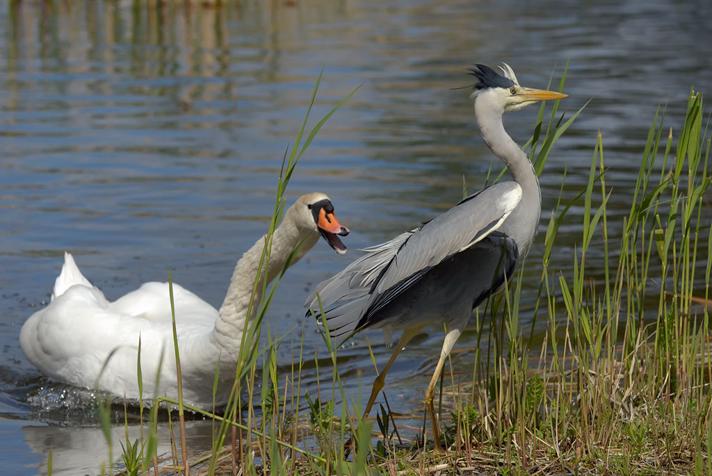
(521, 225)
(233, 312)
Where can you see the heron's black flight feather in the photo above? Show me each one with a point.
(478, 271)
(489, 78)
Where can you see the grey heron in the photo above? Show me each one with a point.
(437, 273)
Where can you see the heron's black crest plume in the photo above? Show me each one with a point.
(489, 78)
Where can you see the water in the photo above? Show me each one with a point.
(148, 138)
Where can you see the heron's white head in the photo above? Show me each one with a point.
(314, 213)
(504, 92)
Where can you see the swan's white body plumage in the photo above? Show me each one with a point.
(72, 338)
(83, 339)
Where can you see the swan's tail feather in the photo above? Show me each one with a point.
(69, 277)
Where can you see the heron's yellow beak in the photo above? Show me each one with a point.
(530, 94)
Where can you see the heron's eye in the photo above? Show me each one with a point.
(513, 90)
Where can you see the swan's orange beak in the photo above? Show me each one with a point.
(328, 222)
(331, 229)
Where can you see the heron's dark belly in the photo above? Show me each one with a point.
(449, 291)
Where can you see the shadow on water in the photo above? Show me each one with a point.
(146, 136)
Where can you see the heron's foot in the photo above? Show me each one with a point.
(430, 408)
(348, 446)
(437, 446)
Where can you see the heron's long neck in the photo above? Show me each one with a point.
(233, 312)
(523, 221)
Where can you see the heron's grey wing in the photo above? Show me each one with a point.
(343, 296)
(455, 230)
(346, 297)
(457, 284)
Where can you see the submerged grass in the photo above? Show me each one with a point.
(620, 384)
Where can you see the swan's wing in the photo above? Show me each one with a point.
(74, 331)
(73, 338)
(70, 276)
(152, 302)
(82, 339)
(372, 281)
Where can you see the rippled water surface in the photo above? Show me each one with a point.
(148, 138)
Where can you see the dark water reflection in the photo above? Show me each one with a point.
(146, 136)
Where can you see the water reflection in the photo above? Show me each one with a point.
(146, 136)
(81, 450)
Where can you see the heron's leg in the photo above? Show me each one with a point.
(450, 339)
(380, 380)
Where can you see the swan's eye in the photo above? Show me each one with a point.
(309, 206)
(513, 90)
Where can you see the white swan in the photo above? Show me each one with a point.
(71, 339)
